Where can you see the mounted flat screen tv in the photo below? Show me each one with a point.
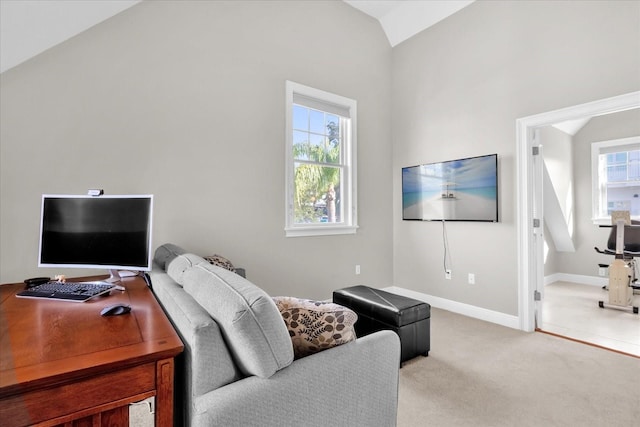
(455, 190)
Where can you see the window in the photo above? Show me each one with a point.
(615, 167)
(320, 162)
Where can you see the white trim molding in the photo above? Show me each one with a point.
(599, 213)
(480, 313)
(346, 109)
(576, 278)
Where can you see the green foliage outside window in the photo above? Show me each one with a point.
(317, 170)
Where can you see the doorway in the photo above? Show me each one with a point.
(529, 216)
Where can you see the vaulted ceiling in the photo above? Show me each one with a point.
(402, 19)
(28, 28)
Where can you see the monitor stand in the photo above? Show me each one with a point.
(114, 277)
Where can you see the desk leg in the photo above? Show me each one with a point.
(164, 393)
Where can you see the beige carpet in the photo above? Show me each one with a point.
(482, 374)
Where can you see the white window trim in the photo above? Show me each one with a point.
(349, 225)
(596, 148)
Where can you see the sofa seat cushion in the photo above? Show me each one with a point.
(315, 325)
(249, 319)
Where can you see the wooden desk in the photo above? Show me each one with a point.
(63, 364)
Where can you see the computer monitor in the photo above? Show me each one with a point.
(107, 231)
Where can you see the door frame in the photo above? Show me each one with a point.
(529, 264)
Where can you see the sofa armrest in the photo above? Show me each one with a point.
(355, 384)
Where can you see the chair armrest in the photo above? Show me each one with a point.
(355, 384)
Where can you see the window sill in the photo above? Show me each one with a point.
(607, 221)
(320, 230)
(601, 221)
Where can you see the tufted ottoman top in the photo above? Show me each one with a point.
(393, 309)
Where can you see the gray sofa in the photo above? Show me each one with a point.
(238, 369)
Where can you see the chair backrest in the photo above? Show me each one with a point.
(631, 238)
(616, 215)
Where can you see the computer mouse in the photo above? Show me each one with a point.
(115, 310)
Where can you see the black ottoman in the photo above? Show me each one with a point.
(377, 310)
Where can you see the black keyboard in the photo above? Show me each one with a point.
(69, 291)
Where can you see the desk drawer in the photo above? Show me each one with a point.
(119, 387)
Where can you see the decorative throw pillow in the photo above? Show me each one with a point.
(220, 261)
(315, 325)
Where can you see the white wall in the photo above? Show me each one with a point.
(558, 160)
(459, 87)
(185, 100)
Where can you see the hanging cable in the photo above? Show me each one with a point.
(445, 242)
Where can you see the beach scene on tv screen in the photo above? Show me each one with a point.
(458, 190)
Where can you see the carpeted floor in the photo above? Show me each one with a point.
(141, 415)
(482, 374)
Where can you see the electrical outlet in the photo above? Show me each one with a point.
(447, 274)
(472, 279)
(357, 268)
(602, 271)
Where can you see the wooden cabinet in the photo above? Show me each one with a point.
(63, 364)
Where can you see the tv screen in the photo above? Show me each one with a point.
(455, 190)
(111, 232)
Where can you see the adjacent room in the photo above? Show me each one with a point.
(577, 274)
(325, 149)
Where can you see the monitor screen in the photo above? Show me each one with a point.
(110, 232)
(455, 190)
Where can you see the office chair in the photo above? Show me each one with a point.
(624, 244)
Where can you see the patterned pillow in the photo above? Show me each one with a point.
(220, 261)
(315, 325)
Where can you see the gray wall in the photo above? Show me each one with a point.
(157, 99)
(459, 87)
(585, 260)
(186, 100)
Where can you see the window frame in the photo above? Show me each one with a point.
(349, 223)
(602, 147)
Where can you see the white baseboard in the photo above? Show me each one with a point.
(460, 308)
(576, 278)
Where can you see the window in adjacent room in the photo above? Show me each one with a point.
(615, 167)
(320, 162)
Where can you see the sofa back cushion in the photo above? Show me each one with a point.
(208, 364)
(250, 321)
(166, 253)
(180, 264)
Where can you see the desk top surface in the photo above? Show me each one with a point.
(45, 341)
